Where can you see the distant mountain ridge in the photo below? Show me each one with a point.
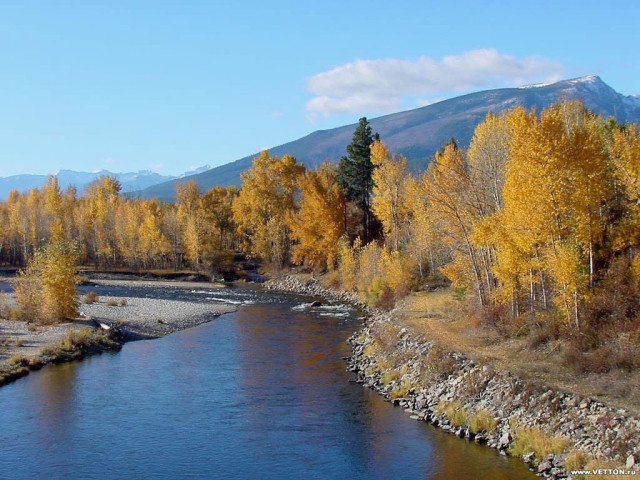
(420, 132)
(130, 181)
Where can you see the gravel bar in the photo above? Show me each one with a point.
(143, 318)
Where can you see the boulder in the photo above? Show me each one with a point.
(545, 467)
(631, 461)
(527, 457)
(505, 441)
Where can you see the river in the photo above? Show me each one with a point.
(261, 393)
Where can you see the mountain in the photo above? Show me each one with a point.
(419, 133)
(130, 181)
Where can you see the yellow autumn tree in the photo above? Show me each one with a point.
(191, 217)
(318, 223)
(555, 194)
(260, 210)
(101, 201)
(447, 189)
(218, 216)
(391, 185)
(45, 289)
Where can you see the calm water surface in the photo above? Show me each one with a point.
(258, 394)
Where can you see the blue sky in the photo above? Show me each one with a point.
(169, 86)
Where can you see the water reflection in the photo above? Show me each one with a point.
(260, 393)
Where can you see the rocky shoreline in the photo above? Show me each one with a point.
(447, 389)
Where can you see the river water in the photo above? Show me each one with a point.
(261, 393)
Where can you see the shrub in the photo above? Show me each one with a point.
(613, 355)
(123, 302)
(401, 390)
(111, 303)
(440, 362)
(45, 289)
(75, 339)
(527, 440)
(17, 342)
(576, 460)
(389, 376)
(22, 360)
(454, 412)
(91, 297)
(482, 421)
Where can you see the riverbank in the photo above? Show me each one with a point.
(105, 324)
(553, 431)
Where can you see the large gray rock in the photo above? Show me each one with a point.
(505, 441)
(631, 461)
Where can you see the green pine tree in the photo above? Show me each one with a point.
(354, 175)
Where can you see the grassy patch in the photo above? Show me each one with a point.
(389, 376)
(111, 303)
(434, 304)
(90, 297)
(453, 411)
(527, 440)
(482, 421)
(401, 390)
(81, 339)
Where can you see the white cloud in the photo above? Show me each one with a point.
(384, 84)
(311, 117)
(277, 114)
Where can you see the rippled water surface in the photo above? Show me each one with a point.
(257, 394)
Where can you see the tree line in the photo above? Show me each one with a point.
(111, 230)
(539, 215)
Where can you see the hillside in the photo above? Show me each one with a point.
(419, 133)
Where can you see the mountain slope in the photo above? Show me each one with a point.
(419, 133)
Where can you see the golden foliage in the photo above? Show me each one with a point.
(260, 210)
(45, 289)
(319, 222)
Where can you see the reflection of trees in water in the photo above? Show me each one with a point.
(51, 397)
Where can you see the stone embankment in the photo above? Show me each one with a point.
(481, 404)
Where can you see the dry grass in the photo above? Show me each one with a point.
(482, 421)
(537, 356)
(436, 304)
(389, 376)
(453, 411)
(111, 303)
(601, 464)
(401, 390)
(90, 297)
(74, 340)
(579, 460)
(576, 460)
(527, 440)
